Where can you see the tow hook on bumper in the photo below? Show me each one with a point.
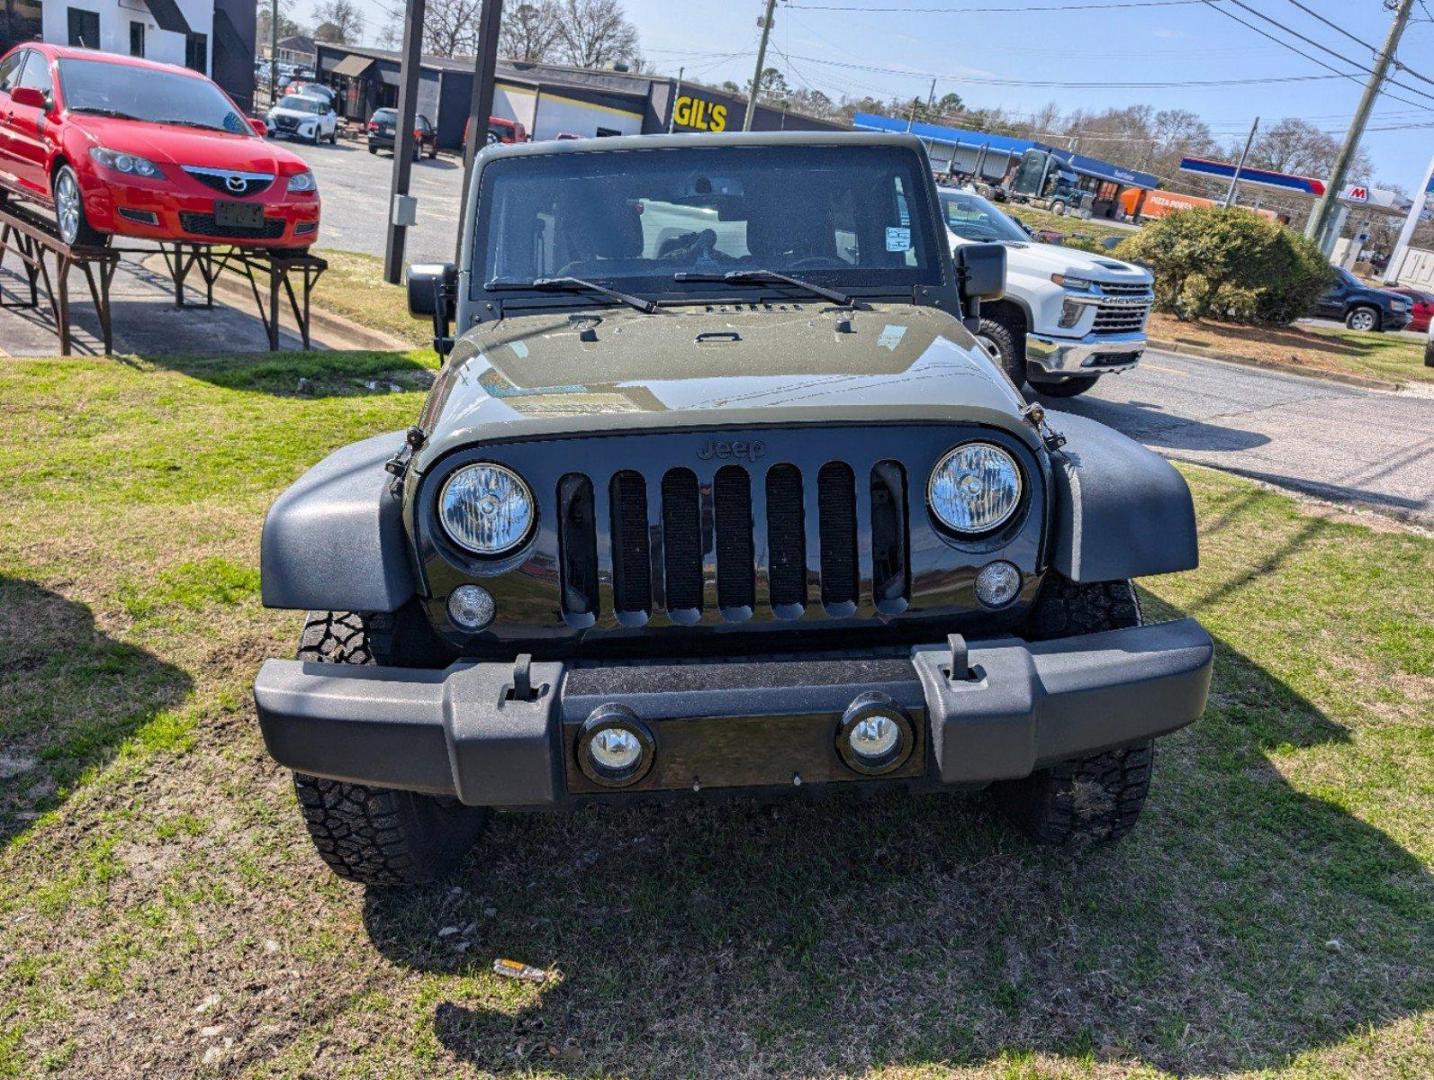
(964, 714)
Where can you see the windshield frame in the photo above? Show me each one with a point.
(1018, 235)
(926, 284)
(65, 66)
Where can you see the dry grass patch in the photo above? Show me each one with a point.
(1316, 348)
(162, 913)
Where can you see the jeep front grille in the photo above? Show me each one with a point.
(715, 545)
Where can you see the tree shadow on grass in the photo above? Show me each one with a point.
(304, 375)
(72, 695)
(1241, 923)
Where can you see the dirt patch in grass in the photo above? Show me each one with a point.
(1316, 348)
(162, 913)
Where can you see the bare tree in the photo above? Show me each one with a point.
(595, 33)
(264, 10)
(530, 32)
(450, 27)
(339, 21)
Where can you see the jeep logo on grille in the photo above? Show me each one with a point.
(732, 450)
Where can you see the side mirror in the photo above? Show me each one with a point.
(260, 127)
(980, 275)
(32, 97)
(432, 290)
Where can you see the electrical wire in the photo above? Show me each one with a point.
(1105, 6)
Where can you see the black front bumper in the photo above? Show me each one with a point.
(469, 732)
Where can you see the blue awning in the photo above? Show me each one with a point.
(946, 136)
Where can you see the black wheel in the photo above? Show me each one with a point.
(1007, 347)
(1077, 384)
(74, 227)
(1363, 318)
(376, 836)
(1091, 800)
(373, 150)
(1058, 208)
(433, 152)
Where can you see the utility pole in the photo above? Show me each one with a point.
(480, 106)
(761, 60)
(930, 103)
(402, 209)
(1240, 165)
(1319, 220)
(274, 54)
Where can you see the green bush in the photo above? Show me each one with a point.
(1231, 265)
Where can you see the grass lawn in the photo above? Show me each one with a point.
(1070, 226)
(353, 286)
(1322, 348)
(162, 913)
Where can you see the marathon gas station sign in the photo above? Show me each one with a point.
(1355, 194)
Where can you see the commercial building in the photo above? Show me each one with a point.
(549, 100)
(1001, 157)
(212, 36)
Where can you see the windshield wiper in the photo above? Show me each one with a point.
(193, 124)
(96, 110)
(577, 284)
(769, 276)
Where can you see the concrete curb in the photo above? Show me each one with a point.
(336, 330)
(1364, 382)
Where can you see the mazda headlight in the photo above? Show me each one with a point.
(486, 509)
(129, 164)
(975, 488)
(304, 181)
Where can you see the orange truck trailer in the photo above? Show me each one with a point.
(1159, 204)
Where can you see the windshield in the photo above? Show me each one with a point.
(851, 216)
(302, 104)
(138, 93)
(973, 218)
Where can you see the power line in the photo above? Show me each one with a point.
(1110, 4)
(1335, 26)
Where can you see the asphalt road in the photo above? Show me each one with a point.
(1367, 448)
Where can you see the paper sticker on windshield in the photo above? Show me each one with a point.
(891, 336)
(898, 238)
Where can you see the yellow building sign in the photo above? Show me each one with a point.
(696, 113)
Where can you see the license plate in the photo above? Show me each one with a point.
(238, 215)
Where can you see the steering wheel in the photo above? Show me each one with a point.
(818, 262)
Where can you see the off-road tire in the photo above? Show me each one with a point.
(1010, 349)
(373, 835)
(1077, 384)
(373, 150)
(1092, 800)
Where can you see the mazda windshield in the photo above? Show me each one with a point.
(677, 222)
(132, 92)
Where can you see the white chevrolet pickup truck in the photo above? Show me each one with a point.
(1068, 317)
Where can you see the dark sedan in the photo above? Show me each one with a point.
(383, 126)
(1363, 307)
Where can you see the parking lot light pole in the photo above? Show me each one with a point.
(480, 107)
(400, 206)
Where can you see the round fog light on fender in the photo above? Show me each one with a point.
(471, 607)
(875, 735)
(997, 584)
(614, 747)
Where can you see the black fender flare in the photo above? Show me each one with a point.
(1120, 510)
(334, 540)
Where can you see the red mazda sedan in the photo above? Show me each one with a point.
(1421, 307)
(118, 145)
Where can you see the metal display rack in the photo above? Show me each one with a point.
(273, 276)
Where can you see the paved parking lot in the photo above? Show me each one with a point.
(354, 185)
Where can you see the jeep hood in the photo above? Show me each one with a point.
(726, 366)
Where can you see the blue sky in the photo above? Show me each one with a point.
(1173, 42)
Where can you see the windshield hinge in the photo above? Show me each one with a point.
(398, 464)
(1035, 415)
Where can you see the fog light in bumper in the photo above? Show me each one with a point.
(997, 584)
(471, 607)
(875, 735)
(614, 747)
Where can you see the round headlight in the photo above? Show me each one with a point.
(975, 488)
(486, 509)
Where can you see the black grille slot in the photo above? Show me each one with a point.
(786, 537)
(732, 493)
(891, 565)
(577, 545)
(632, 576)
(682, 539)
(836, 507)
(250, 184)
(205, 225)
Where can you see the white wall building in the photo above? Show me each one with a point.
(147, 28)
